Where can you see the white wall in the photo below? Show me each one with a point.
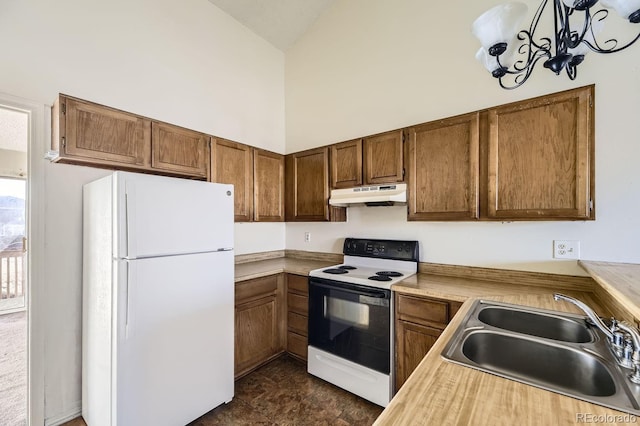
(373, 65)
(186, 63)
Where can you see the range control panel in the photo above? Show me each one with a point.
(383, 249)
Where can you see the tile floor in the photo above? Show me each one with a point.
(282, 393)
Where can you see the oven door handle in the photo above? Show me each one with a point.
(374, 294)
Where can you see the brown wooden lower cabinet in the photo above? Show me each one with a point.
(413, 341)
(419, 321)
(259, 322)
(297, 315)
(297, 345)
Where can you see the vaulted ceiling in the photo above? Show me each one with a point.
(280, 22)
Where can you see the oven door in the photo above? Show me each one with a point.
(351, 321)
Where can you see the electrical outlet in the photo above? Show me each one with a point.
(307, 237)
(566, 249)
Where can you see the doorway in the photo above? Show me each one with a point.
(14, 140)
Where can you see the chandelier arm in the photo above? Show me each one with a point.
(541, 49)
(577, 37)
(522, 75)
(560, 26)
(537, 16)
(613, 49)
(521, 65)
(572, 71)
(544, 46)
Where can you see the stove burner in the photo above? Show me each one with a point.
(335, 271)
(347, 267)
(389, 274)
(379, 278)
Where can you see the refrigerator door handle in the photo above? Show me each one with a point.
(128, 302)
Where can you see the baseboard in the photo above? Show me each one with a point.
(63, 418)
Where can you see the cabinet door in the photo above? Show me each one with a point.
(103, 136)
(179, 151)
(346, 164)
(257, 336)
(383, 162)
(307, 178)
(268, 170)
(260, 331)
(233, 163)
(540, 157)
(413, 341)
(443, 169)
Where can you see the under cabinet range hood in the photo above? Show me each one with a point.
(377, 195)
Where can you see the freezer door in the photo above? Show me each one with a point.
(159, 216)
(175, 344)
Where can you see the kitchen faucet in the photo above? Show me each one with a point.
(627, 352)
(590, 313)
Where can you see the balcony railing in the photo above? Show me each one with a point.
(12, 274)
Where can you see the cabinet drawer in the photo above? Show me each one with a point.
(297, 303)
(298, 323)
(421, 310)
(298, 284)
(297, 345)
(259, 287)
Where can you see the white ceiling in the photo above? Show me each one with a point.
(280, 22)
(13, 130)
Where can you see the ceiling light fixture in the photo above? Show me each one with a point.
(512, 62)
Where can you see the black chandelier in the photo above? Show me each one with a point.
(512, 62)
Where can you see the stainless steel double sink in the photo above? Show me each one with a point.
(556, 351)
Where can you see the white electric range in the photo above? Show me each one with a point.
(350, 316)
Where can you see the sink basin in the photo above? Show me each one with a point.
(552, 350)
(536, 324)
(546, 365)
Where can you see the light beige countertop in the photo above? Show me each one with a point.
(263, 268)
(620, 280)
(442, 393)
(460, 289)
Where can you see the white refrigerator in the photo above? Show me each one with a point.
(158, 300)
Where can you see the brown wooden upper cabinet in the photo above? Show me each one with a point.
(540, 157)
(87, 133)
(346, 164)
(307, 187)
(443, 169)
(95, 135)
(307, 183)
(383, 158)
(232, 163)
(179, 151)
(268, 172)
(258, 178)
